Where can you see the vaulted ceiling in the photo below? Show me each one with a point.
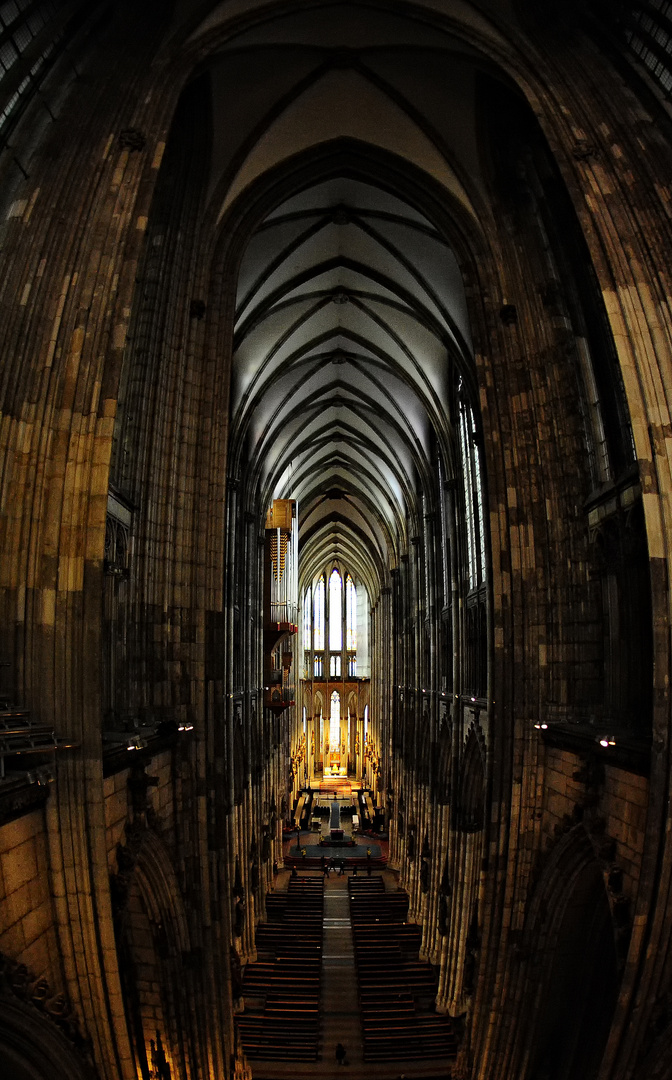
(349, 304)
(351, 322)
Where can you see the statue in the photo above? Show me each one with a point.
(236, 975)
(159, 1064)
(424, 876)
(239, 925)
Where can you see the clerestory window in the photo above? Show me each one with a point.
(335, 627)
(350, 614)
(318, 616)
(475, 628)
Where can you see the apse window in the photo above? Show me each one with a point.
(335, 616)
(335, 721)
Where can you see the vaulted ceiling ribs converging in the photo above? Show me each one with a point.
(349, 309)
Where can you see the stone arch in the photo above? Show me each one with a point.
(460, 910)
(33, 1048)
(443, 772)
(471, 807)
(153, 944)
(570, 958)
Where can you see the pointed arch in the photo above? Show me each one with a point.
(319, 614)
(350, 613)
(335, 610)
(570, 965)
(472, 784)
(153, 940)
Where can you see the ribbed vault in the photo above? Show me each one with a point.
(350, 317)
(351, 326)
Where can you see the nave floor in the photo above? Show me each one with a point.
(340, 1004)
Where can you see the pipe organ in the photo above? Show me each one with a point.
(281, 593)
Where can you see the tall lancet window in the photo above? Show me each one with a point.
(475, 616)
(306, 620)
(335, 612)
(335, 722)
(350, 614)
(473, 498)
(318, 618)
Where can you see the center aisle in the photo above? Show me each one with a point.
(340, 1007)
(339, 1004)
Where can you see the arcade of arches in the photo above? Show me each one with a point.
(335, 454)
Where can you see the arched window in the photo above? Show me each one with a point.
(335, 626)
(350, 614)
(476, 667)
(335, 612)
(306, 620)
(473, 498)
(318, 617)
(335, 721)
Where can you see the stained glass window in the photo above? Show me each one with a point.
(335, 612)
(335, 722)
(350, 614)
(318, 617)
(306, 620)
(473, 498)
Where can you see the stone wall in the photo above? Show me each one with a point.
(27, 922)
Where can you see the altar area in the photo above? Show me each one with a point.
(335, 768)
(334, 811)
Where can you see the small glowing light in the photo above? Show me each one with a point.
(473, 699)
(541, 725)
(604, 742)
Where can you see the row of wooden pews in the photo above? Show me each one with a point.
(281, 989)
(396, 989)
